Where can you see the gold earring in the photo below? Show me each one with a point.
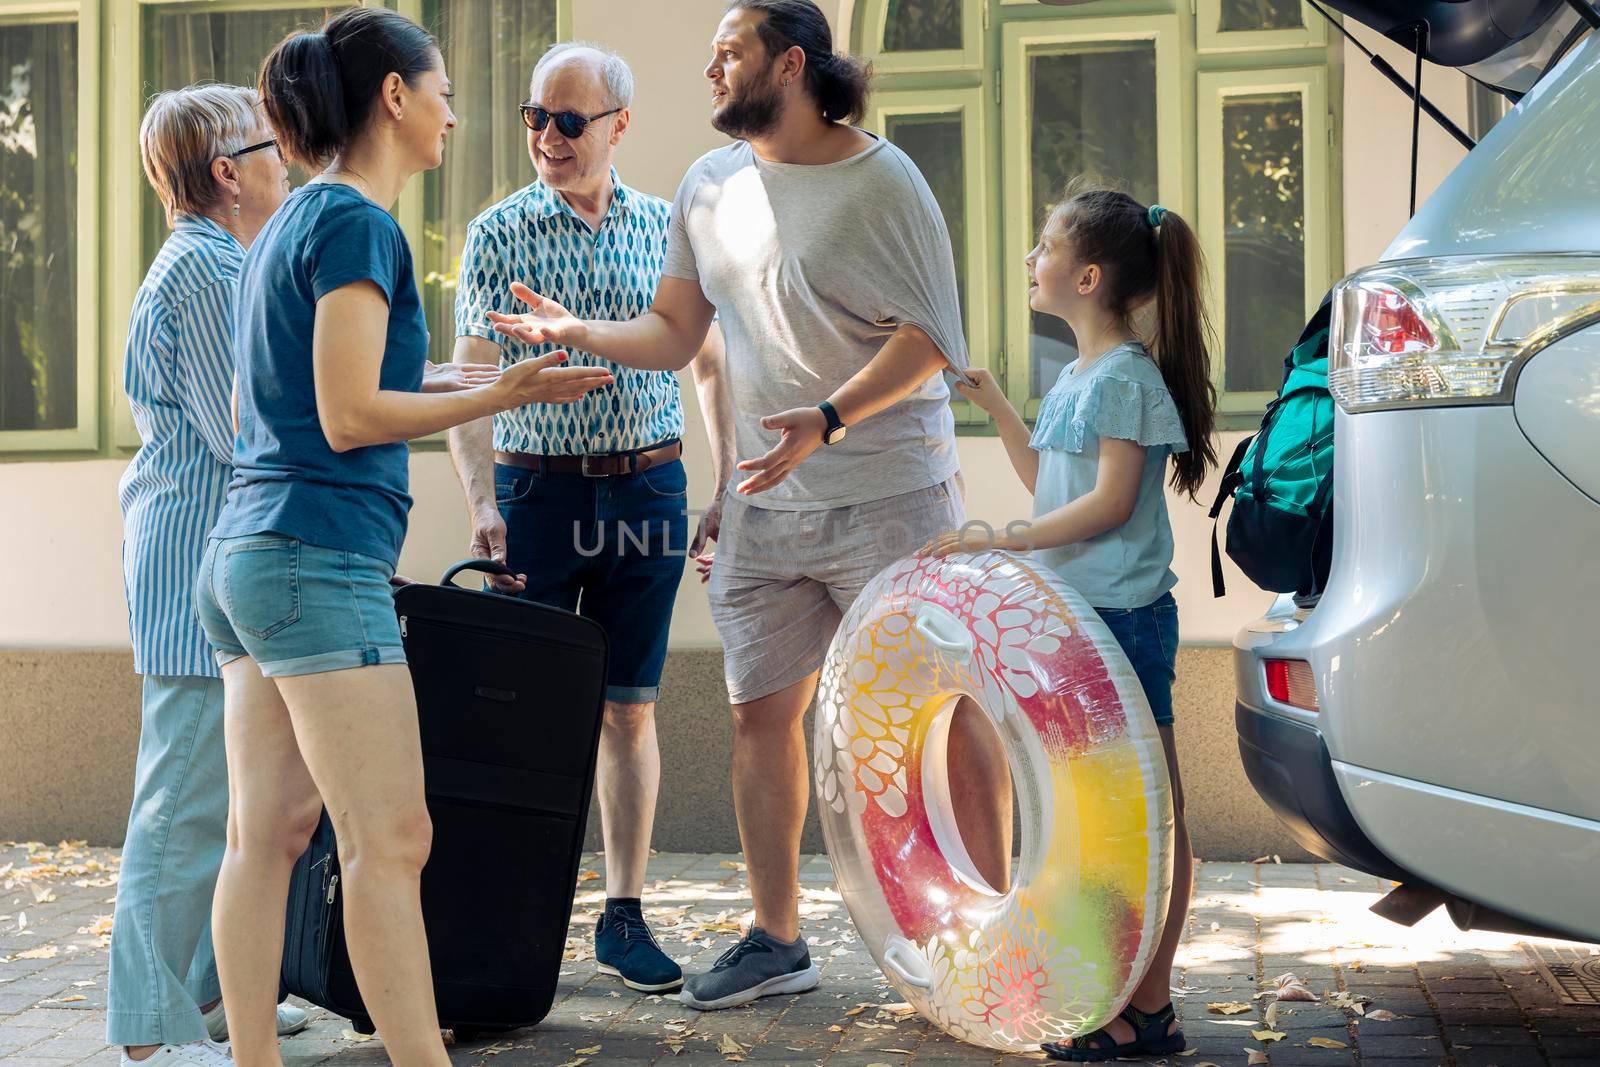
(786, 83)
(235, 207)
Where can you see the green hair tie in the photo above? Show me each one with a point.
(1155, 215)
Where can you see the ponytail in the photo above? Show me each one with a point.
(1182, 348)
(839, 83)
(318, 89)
(1150, 253)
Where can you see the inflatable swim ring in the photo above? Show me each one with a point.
(1062, 949)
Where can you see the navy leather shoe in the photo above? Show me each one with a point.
(625, 947)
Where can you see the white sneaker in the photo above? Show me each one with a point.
(291, 1020)
(193, 1054)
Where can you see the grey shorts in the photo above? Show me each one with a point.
(783, 580)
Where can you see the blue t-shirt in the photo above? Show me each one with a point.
(1120, 395)
(287, 480)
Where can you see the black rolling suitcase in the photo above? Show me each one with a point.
(510, 696)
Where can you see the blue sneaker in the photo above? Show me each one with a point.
(625, 947)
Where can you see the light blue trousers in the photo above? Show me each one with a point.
(162, 964)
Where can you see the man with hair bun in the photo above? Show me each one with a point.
(824, 254)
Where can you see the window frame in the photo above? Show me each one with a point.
(1214, 88)
(968, 57)
(123, 227)
(86, 434)
(1209, 37)
(1055, 37)
(967, 103)
(124, 224)
(1235, 54)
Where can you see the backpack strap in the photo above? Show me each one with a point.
(1232, 478)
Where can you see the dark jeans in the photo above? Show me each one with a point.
(612, 549)
(1149, 638)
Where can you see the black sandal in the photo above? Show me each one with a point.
(1150, 1038)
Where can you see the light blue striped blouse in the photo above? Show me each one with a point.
(178, 373)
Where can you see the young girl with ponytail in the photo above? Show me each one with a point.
(1095, 462)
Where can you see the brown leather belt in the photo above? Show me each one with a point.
(604, 466)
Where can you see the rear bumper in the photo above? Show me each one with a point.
(1289, 766)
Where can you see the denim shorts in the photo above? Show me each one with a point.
(611, 549)
(1149, 638)
(296, 608)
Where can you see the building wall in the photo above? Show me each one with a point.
(68, 701)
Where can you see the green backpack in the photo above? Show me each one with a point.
(1281, 479)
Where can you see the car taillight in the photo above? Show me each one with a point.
(1416, 333)
(1289, 681)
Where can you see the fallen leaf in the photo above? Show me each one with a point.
(75, 998)
(1291, 988)
(835, 1029)
(88, 982)
(43, 952)
(1272, 1016)
(1328, 1042)
(1384, 1015)
(590, 1051)
(858, 1009)
(41, 895)
(588, 876)
(1254, 1056)
(732, 866)
(1227, 1009)
(1261, 859)
(729, 1047)
(351, 1035)
(579, 1062)
(1267, 1036)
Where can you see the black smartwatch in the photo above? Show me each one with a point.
(835, 431)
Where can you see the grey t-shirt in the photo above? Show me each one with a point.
(811, 269)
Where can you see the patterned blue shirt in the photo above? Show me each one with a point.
(533, 236)
(178, 374)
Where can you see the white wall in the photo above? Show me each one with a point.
(60, 578)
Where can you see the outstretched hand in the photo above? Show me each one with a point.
(545, 321)
(800, 431)
(453, 377)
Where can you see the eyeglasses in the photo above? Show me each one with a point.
(569, 123)
(271, 142)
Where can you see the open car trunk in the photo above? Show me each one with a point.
(1505, 44)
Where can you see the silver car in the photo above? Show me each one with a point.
(1434, 718)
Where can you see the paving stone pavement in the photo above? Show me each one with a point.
(1458, 999)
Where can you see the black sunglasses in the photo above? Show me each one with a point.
(271, 142)
(569, 123)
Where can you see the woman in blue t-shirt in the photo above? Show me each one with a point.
(294, 587)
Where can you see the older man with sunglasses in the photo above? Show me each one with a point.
(586, 501)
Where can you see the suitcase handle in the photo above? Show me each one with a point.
(487, 566)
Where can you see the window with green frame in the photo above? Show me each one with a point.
(1219, 110)
(48, 185)
(61, 337)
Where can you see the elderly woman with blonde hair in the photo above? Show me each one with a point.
(216, 168)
